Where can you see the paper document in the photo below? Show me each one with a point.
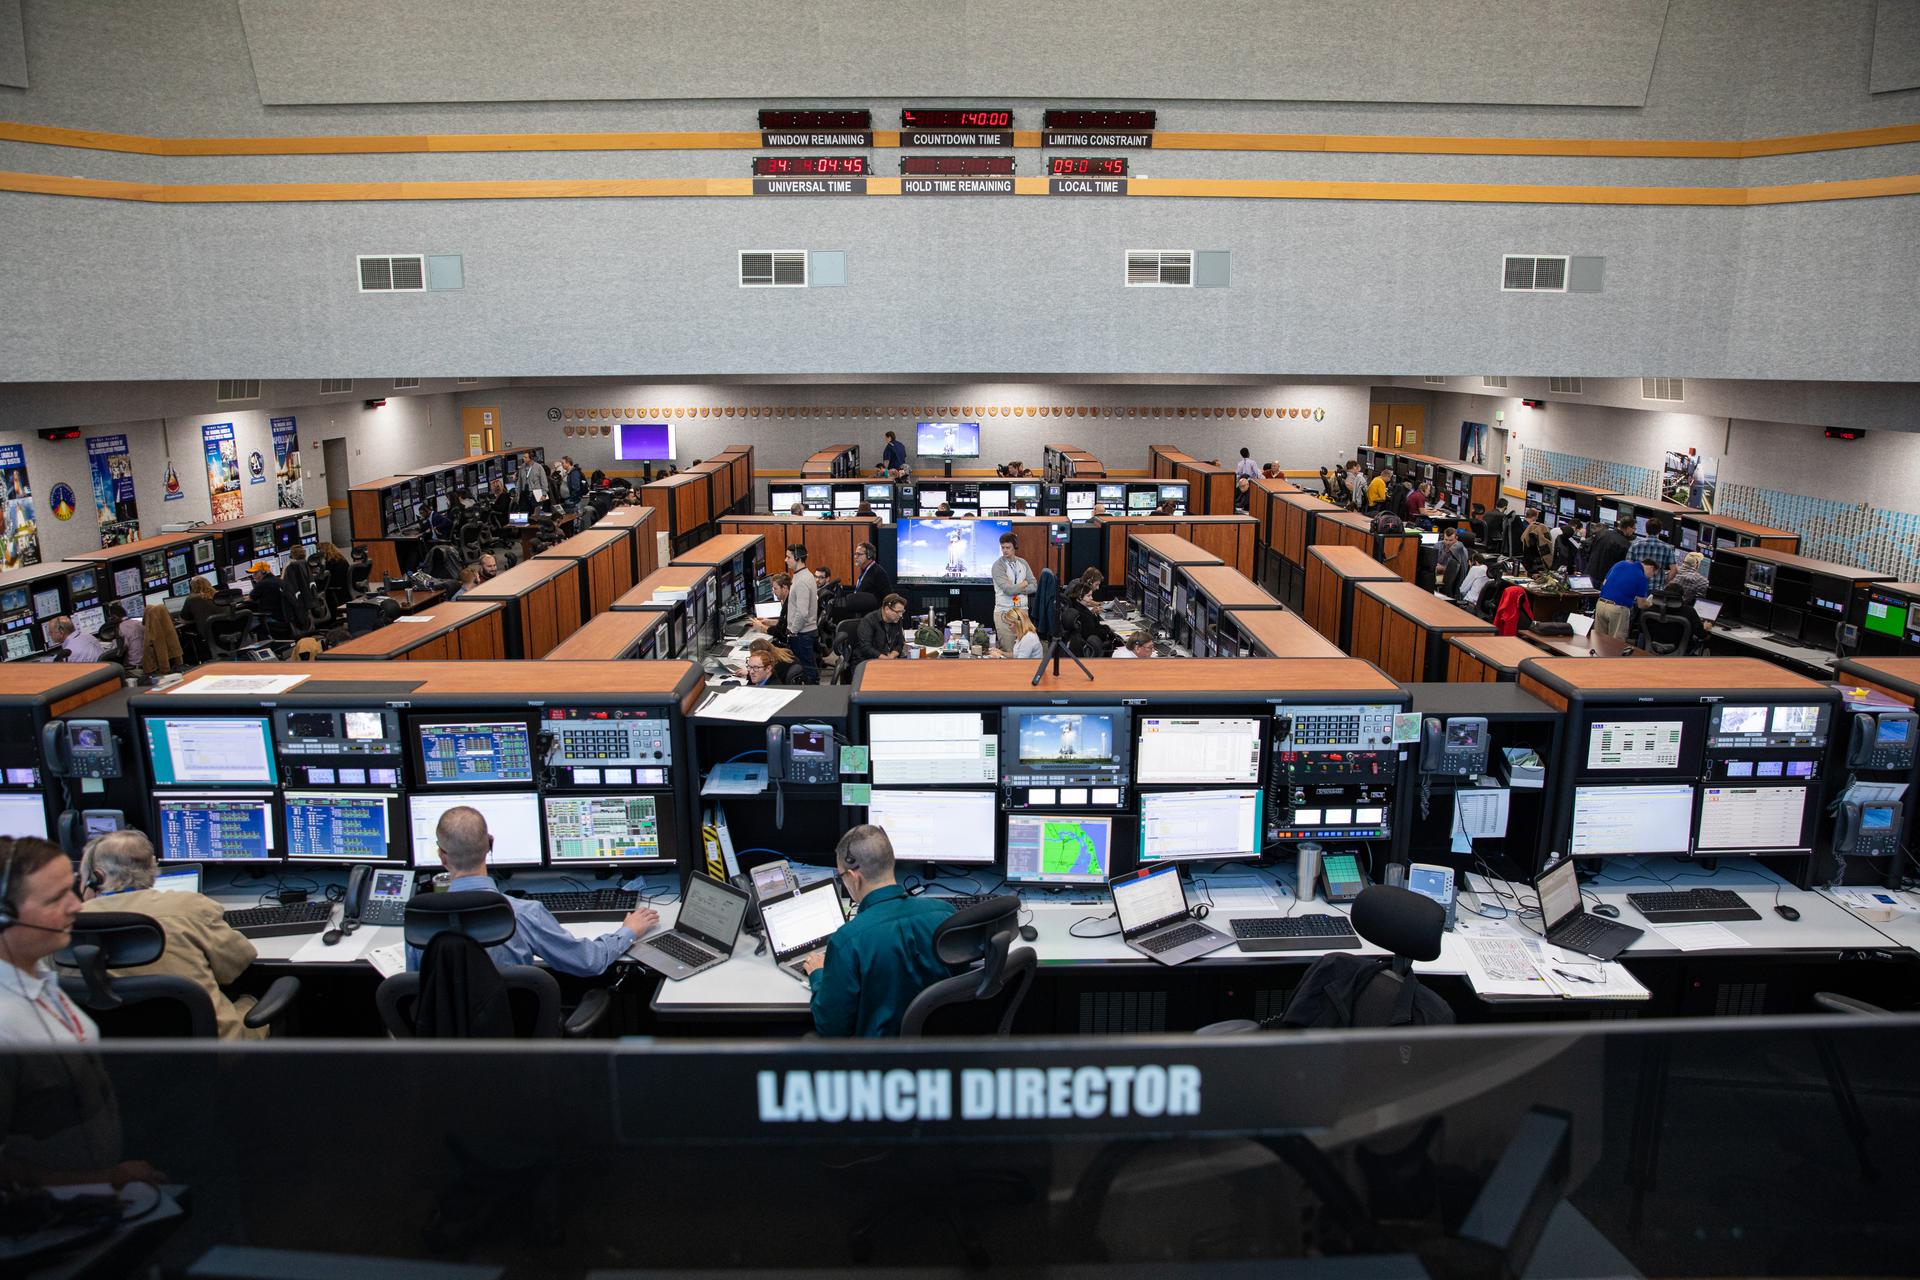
(241, 686)
(1502, 967)
(1704, 936)
(388, 960)
(1480, 813)
(417, 617)
(770, 609)
(754, 704)
(1873, 792)
(1592, 981)
(1240, 895)
(1878, 902)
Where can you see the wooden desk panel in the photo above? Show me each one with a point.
(1294, 517)
(674, 679)
(680, 501)
(640, 522)
(1486, 659)
(1826, 568)
(929, 681)
(64, 686)
(1175, 549)
(140, 546)
(829, 542)
(1898, 678)
(1328, 597)
(608, 636)
(1165, 459)
(545, 603)
(681, 577)
(1555, 680)
(820, 465)
(605, 557)
(1594, 645)
(1209, 487)
(1282, 635)
(465, 630)
(1229, 537)
(1763, 536)
(1405, 629)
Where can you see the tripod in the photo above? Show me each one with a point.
(1057, 649)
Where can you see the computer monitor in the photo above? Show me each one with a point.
(309, 530)
(1112, 497)
(1174, 493)
(817, 497)
(846, 498)
(1175, 749)
(215, 828)
(948, 440)
(1760, 579)
(80, 583)
(1886, 615)
(994, 500)
(23, 815)
(465, 753)
(1566, 504)
(126, 582)
(153, 565)
(211, 751)
(1141, 500)
(937, 826)
(1610, 820)
(1828, 596)
(203, 553)
(609, 830)
(1689, 538)
(513, 820)
(947, 552)
(1199, 826)
(89, 620)
(1609, 513)
(1080, 504)
(179, 563)
(782, 497)
(341, 826)
(19, 645)
(1059, 848)
(1657, 742)
(880, 494)
(1026, 491)
(15, 600)
(642, 442)
(1070, 756)
(1751, 819)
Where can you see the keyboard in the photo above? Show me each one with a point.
(1175, 938)
(1582, 932)
(961, 901)
(1684, 906)
(680, 949)
(591, 904)
(1316, 931)
(281, 922)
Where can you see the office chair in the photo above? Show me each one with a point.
(843, 645)
(981, 936)
(517, 1000)
(1664, 634)
(146, 1005)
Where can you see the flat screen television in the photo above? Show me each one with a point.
(949, 440)
(644, 442)
(932, 552)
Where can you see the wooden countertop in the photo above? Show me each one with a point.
(675, 577)
(606, 636)
(1227, 588)
(1352, 563)
(48, 679)
(158, 542)
(520, 579)
(720, 548)
(1423, 606)
(398, 637)
(1694, 674)
(1737, 525)
(1806, 564)
(582, 544)
(1587, 647)
(1285, 635)
(1174, 548)
(510, 677)
(1116, 677)
(1351, 519)
(1504, 652)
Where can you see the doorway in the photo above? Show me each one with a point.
(333, 456)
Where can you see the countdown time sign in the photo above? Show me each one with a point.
(956, 127)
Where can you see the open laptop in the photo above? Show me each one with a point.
(800, 922)
(1580, 582)
(1154, 918)
(177, 880)
(1708, 610)
(1567, 922)
(517, 518)
(711, 914)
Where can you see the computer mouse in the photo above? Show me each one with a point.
(331, 937)
(1608, 910)
(1029, 934)
(1786, 912)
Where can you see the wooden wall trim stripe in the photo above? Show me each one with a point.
(1371, 144)
(1190, 188)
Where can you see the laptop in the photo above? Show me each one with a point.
(1580, 582)
(177, 880)
(799, 923)
(1708, 610)
(1154, 917)
(711, 914)
(519, 518)
(1568, 923)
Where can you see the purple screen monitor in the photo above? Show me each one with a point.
(644, 442)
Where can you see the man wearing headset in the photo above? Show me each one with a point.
(117, 873)
(873, 967)
(37, 909)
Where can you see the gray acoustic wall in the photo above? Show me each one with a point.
(1896, 46)
(1001, 287)
(350, 51)
(13, 45)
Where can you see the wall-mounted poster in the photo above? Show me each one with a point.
(113, 502)
(290, 489)
(1688, 479)
(20, 541)
(256, 468)
(223, 471)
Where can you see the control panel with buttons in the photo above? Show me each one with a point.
(609, 738)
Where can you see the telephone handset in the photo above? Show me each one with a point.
(80, 749)
(802, 753)
(377, 895)
(1867, 830)
(1882, 740)
(77, 826)
(1456, 748)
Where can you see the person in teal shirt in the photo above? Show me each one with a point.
(873, 967)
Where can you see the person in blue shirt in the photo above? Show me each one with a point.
(873, 967)
(464, 843)
(894, 456)
(1625, 586)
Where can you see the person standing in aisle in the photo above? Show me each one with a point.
(894, 456)
(803, 613)
(1013, 582)
(1246, 468)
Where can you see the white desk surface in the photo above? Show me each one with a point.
(1754, 638)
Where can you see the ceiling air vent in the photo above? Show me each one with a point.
(1435, 382)
(761, 268)
(393, 273)
(406, 384)
(335, 386)
(1565, 386)
(1662, 389)
(1530, 274)
(1498, 384)
(238, 389)
(1160, 268)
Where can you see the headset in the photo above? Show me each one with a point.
(7, 920)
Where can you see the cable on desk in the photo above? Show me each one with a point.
(1073, 929)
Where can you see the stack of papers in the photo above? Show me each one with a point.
(1515, 967)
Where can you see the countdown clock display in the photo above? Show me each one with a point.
(956, 166)
(809, 166)
(1087, 166)
(956, 127)
(1073, 127)
(816, 127)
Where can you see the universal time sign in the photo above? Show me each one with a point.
(886, 1093)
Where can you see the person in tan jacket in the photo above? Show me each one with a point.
(117, 873)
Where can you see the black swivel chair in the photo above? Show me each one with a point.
(520, 1000)
(843, 646)
(1662, 633)
(983, 998)
(145, 1004)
